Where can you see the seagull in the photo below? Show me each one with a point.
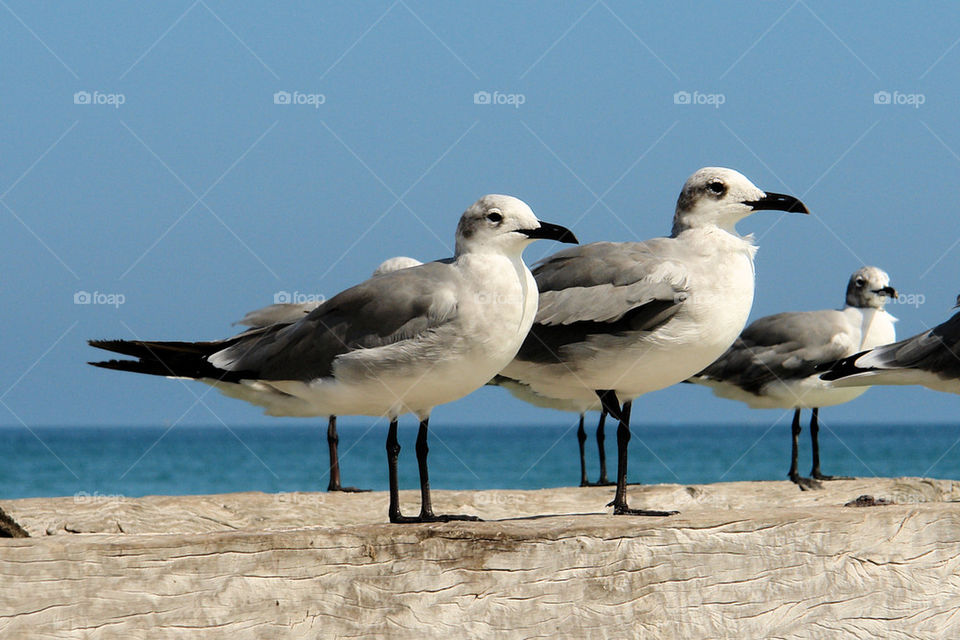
(395, 264)
(524, 392)
(620, 319)
(931, 359)
(772, 365)
(287, 313)
(401, 342)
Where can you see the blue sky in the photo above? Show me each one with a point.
(143, 159)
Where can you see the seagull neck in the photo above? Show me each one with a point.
(514, 255)
(687, 223)
(713, 234)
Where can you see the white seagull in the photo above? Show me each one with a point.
(930, 359)
(620, 319)
(773, 364)
(401, 342)
(287, 313)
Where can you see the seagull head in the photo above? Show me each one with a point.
(504, 224)
(869, 287)
(714, 196)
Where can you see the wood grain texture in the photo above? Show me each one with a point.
(743, 560)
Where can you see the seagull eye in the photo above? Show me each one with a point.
(494, 217)
(859, 282)
(717, 187)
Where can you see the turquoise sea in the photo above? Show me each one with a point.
(64, 461)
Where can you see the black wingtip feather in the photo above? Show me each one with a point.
(176, 359)
(842, 368)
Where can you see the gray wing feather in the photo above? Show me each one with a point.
(384, 310)
(277, 313)
(603, 281)
(936, 350)
(782, 347)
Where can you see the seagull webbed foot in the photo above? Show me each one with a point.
(806, 484)
(347, 489)
(820, 476)
(627, 511)
(434, 517)
(599, 483)
(624, 510)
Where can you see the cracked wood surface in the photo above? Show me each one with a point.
(743, 560)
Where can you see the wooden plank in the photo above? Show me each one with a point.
(742, 560)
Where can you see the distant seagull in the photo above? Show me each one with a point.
(287, 313)
(524, 392)
(931, 359)
(620, 319)
(395, 264)
(772, 365)
(402, 342)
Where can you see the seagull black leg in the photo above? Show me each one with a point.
(426, 504)
(815, 443)
(603, 481)
(333, 439)
(794, 475)
(582, 439)
(393, 452)
(619, 503)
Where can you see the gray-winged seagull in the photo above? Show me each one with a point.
(620, 319)
(773, 364)
(287, 313)
(524, 392)
(401, 342)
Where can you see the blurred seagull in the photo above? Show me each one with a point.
(620, 319)
(772, 365)
(288, 313)
(931, 359)
(401, 342)
(524, 392)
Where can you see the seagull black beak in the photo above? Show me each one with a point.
(548, 231)
(888, 291)
(777, 202)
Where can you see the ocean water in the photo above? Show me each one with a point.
(65, 461)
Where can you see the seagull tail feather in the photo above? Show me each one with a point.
(171, 359)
